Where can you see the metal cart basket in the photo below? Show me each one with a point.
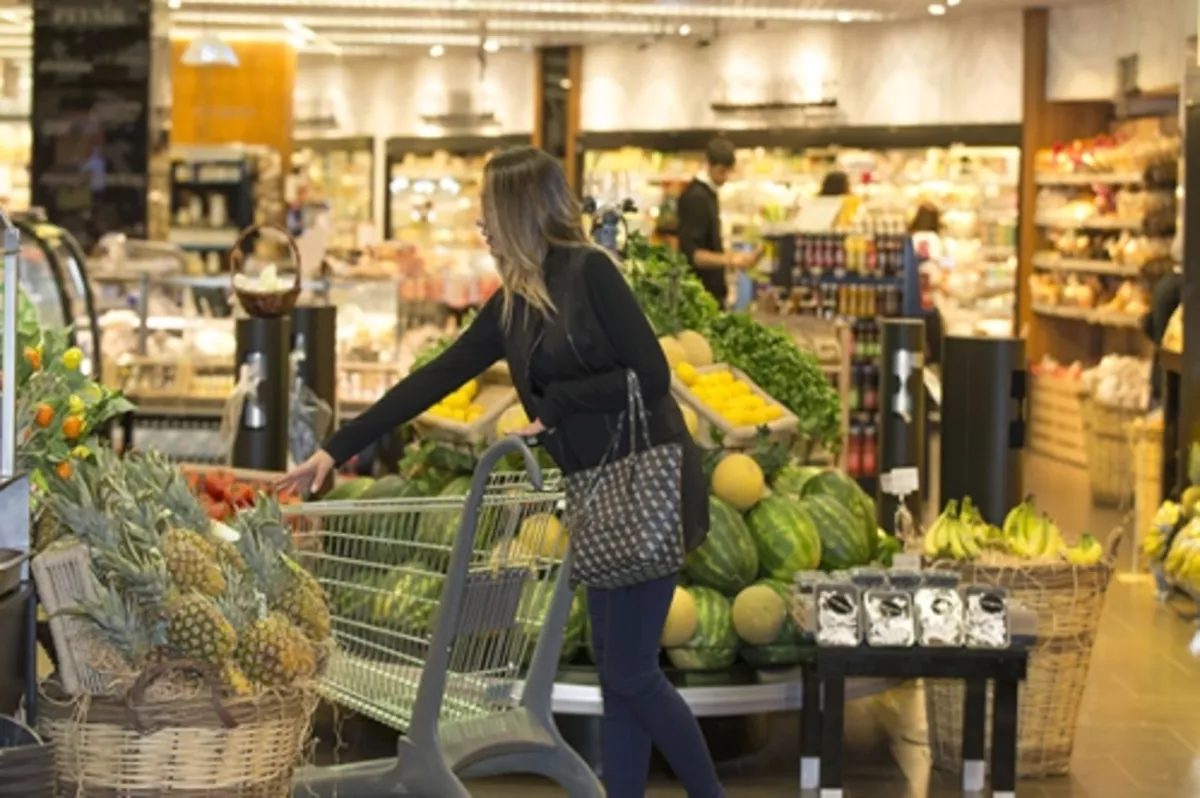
(439, 606)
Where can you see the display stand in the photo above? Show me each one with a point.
(263, 350)
(314, 337)
(1005, 668)
(983, 423)
(902, 416)
(15, 487)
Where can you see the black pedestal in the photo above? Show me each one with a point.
(902, 416)
(983, 423)
(262, 442)
(314, 332)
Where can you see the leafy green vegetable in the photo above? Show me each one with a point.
(671, 296)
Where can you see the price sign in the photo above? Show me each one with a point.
(900, 482)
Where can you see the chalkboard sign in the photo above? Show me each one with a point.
(91, 97)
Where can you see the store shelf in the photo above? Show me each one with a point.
(1089, 316)
(209, 238)
(1052, 261)
(1090, 179)
(1091, 223)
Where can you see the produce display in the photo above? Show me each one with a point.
(959, 533)
(1119, 381)
(1172, 542)
(222, 493)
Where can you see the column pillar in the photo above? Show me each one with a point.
(556, 94)
(90, 118)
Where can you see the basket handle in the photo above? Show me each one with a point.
(137, 694)
(1113, 544)
(237, 258)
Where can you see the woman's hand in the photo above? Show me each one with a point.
(534, 429)
(309, 476)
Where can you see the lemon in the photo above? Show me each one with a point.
(686, 373)
(761, 415)
(774, 412)
(690, 419)
(474, 412)
(457, 414)
(470, 389)
(722, 378)
(740, 418)
(739, 389)
(456, 401)
(754, 402)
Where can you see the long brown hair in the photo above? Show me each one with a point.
(527, 208)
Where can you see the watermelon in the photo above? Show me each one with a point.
(791, 479)
(349, 490)
(576, 626)
(842, 546)
(715, 644)
(788, 648)
(786, 539)
(832, 482)
(439, 528)
(390, 487)
(727, 560)
(407, 599)
(531, 614)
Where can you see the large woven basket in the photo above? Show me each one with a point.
(205, 747)
(1106, 435)
(1067, 600)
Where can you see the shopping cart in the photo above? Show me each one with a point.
(439, 607)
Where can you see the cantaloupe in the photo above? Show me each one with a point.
(512, 554)
(673, 350)
(758, 615)
(696, 348)
(682, 620)
(690, 419)
(738, 481)
(543, 534)
(511, 420)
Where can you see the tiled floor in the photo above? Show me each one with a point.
(1138, 734)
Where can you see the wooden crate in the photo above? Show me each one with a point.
(783, 428)
(1056, 419)
(496, 394)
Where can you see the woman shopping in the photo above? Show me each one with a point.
(586, 366)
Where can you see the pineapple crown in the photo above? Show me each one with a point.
(88, 523)
(121, 623)
(241, 604)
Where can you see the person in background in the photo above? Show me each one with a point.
(926, 229)
(835, 184)
(571, 330)
(699, 228)
(1164, 299)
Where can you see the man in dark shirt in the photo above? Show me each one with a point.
(699, 230)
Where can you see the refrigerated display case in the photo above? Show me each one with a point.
(54, 275)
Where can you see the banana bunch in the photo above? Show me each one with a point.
(1031, 535)
(1182, 563)
(1088, 552)
(959, 534)
(1158, 537)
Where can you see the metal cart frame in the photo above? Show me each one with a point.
(444, 743)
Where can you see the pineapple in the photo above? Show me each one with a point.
(121, 624)
(268, 652)
(197, 629)
(190, 559)
(288, 587)
(233, 677)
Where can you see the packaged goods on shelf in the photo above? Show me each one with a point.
(1119, 381)
(339, 174)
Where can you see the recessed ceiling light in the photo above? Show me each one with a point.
(685, 29)
(491, 45)
(845, 16)
(437, 51)
(952, 3)
(937, 9)
(174, 5)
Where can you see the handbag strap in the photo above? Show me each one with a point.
(636, 417)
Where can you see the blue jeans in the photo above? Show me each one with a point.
(642, 708)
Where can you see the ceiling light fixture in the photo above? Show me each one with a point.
(685, 29)
(937, 9)
(491, 45)
(437, 51)
(174, 5)
(845, 16)
(209, 50)
(952, 3)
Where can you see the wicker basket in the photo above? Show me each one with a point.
(205, 747)
(1146, 439)
(1107, 437)
(1067, 600)
(26, 763)
(258, 303)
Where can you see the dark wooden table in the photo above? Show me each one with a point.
(823, 714)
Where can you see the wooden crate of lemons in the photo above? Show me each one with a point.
(469, 414)
(727, 400)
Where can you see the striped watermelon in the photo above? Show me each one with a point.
(786, 539)
(787, 649)
(573, 635)
(832, 482)
(440, 528)
(791, 479)
(715, 644)
(727, 560)
(842, 544)
(531, 614)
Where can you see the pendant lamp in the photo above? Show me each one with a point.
(208, 50)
